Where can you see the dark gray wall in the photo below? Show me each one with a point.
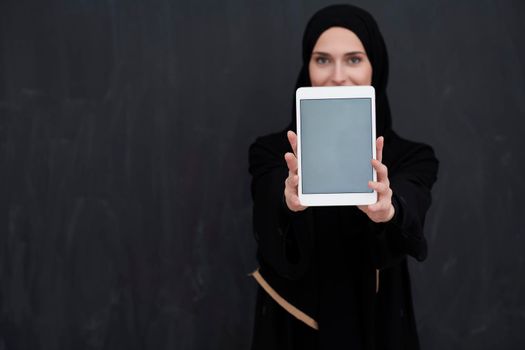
(125, 218)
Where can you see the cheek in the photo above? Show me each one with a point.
(318, 76)
(360, 77)
(363, 78)
(367, 74)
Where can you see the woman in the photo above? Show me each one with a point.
(337, 277)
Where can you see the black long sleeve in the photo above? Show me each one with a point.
(412, 172)
(285, 239)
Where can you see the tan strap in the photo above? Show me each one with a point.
(377, 281)
(289, 307)
(284, 304)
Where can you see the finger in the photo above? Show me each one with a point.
(289, 189)
(293, 202)
(382, 171)
(380, 142)
(363, 208)
(296, 202)
(379, 187)
(292, 181)
(291, 162)
(373, 208)
(295, 181)
(288, 192)
(292, 138)
(378, 206)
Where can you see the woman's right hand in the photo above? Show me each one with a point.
(292, 181)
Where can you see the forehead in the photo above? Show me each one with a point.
(338, 40)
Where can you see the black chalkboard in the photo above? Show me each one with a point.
(125, 218)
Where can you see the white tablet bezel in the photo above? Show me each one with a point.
(335, 92)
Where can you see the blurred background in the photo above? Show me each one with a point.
(125, 218)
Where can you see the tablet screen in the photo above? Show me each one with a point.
(336, 145)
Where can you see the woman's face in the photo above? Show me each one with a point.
(339, 59)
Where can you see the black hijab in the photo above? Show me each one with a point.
(365, 27)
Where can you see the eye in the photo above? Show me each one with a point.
(354, 60)
(321, 60)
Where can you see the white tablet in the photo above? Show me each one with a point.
(336, 135)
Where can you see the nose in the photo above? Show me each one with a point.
(338, 75)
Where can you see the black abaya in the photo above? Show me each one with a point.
(323, 260)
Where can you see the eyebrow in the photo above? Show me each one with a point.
(346, 54)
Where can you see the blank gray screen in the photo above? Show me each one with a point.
(336, 145)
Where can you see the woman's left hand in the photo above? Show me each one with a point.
(382, 210)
